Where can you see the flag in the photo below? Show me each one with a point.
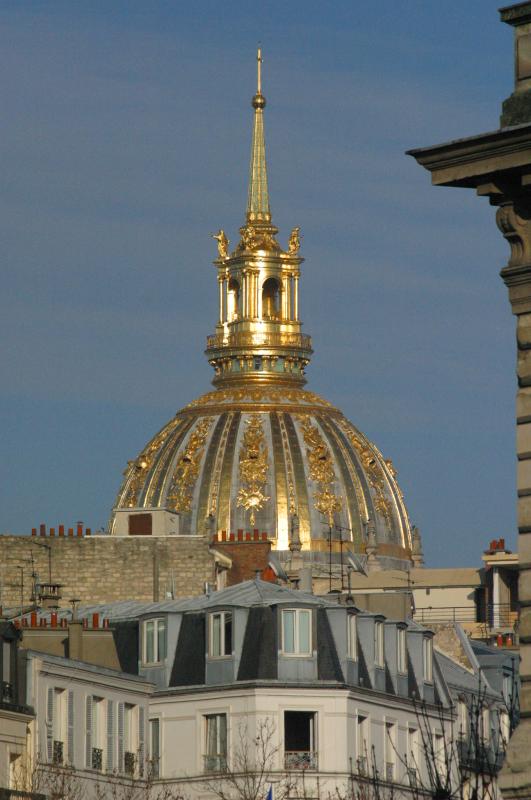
(269, 795)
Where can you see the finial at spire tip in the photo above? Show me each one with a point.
(258, 100)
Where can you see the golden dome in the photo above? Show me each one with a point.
(260, 452)
(258, 457)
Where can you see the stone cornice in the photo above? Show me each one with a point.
(466, 162)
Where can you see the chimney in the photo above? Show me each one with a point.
(75, 641)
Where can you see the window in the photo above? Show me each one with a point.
(505, 728)
(439, 753)
(379, 644)
(462, 719)
(215, 759)
(412, 756)
(299, 740)
(401, 650)
(56, 725)
(484, 725)
(220, 625)
(390, 751)
(352, 637)
(427, 658)
(94, 721)
(154, 641)
(363, 744)
(7, 689)
(296, 632)
(129, 739)
(154, 748)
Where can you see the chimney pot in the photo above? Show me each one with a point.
(42, 529)
(53, 619)
(34, 531)
(52, 531)
(96, 620)
(61, 530)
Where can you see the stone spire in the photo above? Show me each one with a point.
(258, 197)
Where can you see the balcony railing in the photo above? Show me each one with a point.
(57, 752)
(265, 339)
(215, 763)
(129, 763)
(389, 771)
(300, 759)
(499, 615)
(97, 758)
(362, 765)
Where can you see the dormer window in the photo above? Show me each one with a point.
(220, 634)
(154, 639)
(297, 632)
(401, 650)
(427, 659)
(379, 644)
(352, 637)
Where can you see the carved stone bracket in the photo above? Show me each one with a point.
(514, 221)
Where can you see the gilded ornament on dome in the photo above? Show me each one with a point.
(141, 466)
(186, 471)
(294, 242)
(374, 471)
(321, 469)
(223, 244)
(254, 466)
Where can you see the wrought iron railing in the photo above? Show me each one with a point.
(300, 759)
(389, 771)
(97, 758)
(57, 752)
(215, 763)
(129, 763)
(493, 615)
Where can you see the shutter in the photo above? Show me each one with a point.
(141, 737)
(110, 735)
(120, 737)
(88, 730)
(50, 702)
(70, 721)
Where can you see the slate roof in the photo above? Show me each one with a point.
(245, 595)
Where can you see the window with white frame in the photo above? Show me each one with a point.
(439, 753)
(505, 728)
(215, 758)
(390, 751)
(379, 644)
(155, 641)
(484, 725)
(220, 633)
(154, 748)
(297, 631)
(412, 755)
(427, 658)
(401, 657)
(56, 725)
(130, 743)
(352, 637)
(462, 719)
(363, 743)
(95, 732)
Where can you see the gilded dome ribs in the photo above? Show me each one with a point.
(155, 486)
(281, 485)
(186, 470)
(353, 511)
(224, 501)
(301, 487)
(208, 473)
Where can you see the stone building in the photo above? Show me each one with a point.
(333, 696)
(497, 165)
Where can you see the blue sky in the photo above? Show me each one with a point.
(125, 142)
